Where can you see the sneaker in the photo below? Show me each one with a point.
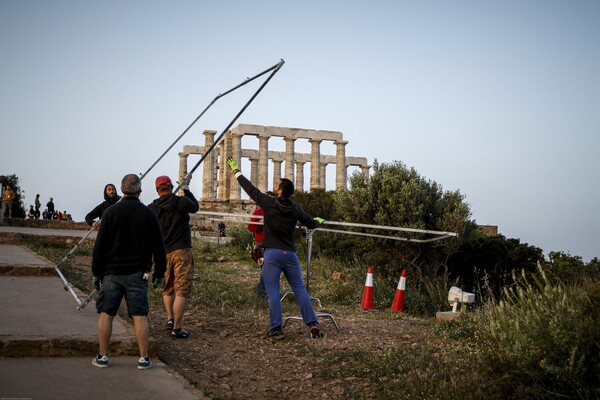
(100, 361)
(144, 364)
(170, 324)
(315, 330)
(179, 333)
(276, 334)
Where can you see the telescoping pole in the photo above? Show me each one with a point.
(248, 80)
(68, 286)
(275, 69)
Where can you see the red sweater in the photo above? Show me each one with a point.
(257, 229)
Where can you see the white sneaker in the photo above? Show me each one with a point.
(101, 362)
(144, 364)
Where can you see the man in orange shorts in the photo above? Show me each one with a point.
(174, 215)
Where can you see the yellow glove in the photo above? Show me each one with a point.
(233, 164)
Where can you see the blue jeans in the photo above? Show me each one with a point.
(286, 261)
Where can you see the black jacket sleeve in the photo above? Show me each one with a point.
(92, 215)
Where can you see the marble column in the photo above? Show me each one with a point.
(254, 171)
(323, 177)
(341, 169)
(182, 169)
(224, 152)
(300, 176)
(276, 173)
(315, 163)
(235, 190)
(365, 171)
(263, 163)
(289, 158)
(209, 167)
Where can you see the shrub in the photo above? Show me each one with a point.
(542, 340)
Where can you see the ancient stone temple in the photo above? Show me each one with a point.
(219, 186)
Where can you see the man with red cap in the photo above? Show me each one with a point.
(173, 213)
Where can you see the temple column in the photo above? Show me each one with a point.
(254, 171)
(315, 163)
(182, 168)
(289, 158)
(263, 163)
(300, 176)
(365, 171)
(236, 152)
(341, 170)
(224, 152)
(208, 169)
(323, 176)
(276, 172)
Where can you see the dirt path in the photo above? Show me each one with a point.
(233, 358)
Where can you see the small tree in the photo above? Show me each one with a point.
(398, 196)
(18, 207)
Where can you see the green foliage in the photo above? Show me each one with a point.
(241, 237)
(317, 203)
(542, 340)
(397, 196)
(571, 269)
(18, 204)
(492, 258)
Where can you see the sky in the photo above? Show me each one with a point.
(499, 100)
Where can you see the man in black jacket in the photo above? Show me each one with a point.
(110, 198)
(128, 240)
(280, 217)
(174, 215)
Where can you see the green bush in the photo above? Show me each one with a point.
(542, 340)
(241, 237)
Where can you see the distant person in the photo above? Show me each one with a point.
(38, 204)
(110, 198)
(31, 213)
(129, 240)
(50, 206)
(280, 217)
(45, 214)
(59, 216)
(174, 215)
(256, 227)
(8, 196)
(222, 229)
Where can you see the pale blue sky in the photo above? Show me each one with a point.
(498, 100)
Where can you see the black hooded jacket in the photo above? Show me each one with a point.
(174, 215)
(280, 217)
(129, 239)
(98, 211)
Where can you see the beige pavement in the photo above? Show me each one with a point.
(47, 344)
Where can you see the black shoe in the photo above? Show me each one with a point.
(179, 333)
(276, 334)
(169, 324)
(315, 330)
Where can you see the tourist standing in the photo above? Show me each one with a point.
(110, 198)
(174, 215)
(129, 240)
(50, 206)
(8, 196)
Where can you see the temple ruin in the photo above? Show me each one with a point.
(219, 187)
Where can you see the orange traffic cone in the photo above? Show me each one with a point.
(398, 303)
(367, 299)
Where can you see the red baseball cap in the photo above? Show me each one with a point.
(163, 181)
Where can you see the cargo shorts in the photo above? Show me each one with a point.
(179, 276)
